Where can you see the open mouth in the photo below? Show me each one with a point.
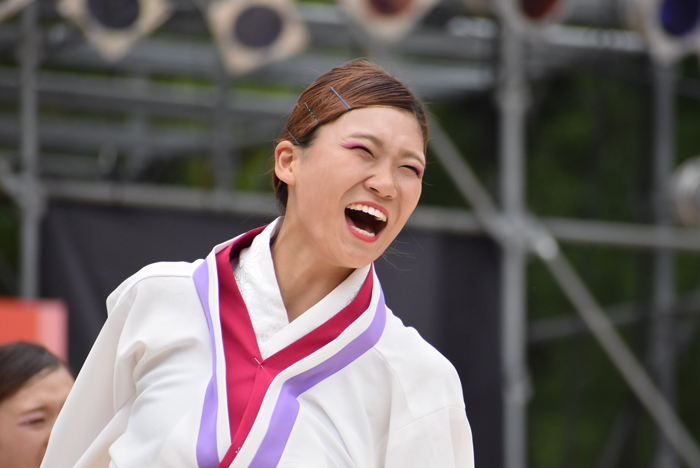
(365, 220)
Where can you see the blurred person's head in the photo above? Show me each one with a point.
(34, 384)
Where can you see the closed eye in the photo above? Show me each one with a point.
(358, 146)
(418, 171)
(32, 421)
(364, 149)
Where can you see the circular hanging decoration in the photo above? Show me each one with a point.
(252, 33)
(672, 27)
(538, 9)
(258, 26)
(679, 17)
(531, 17)
(686, 192)
(390, 7)
(388, 20)
(113, 26)
(114, 14)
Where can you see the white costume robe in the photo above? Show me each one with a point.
(177, 379)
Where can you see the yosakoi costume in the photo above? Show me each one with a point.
(189, 371)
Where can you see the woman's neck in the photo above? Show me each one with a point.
(303, 279)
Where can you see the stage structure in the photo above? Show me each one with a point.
(66, 158)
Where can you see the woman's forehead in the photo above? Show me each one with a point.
(379, 122)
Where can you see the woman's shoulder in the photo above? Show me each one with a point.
(159, 306)
(407, 348)
(174, 276)
(420, 369)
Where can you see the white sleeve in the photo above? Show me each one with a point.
(146, 372)
(442, 439)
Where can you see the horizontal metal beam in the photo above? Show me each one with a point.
(185, 57)
(593, 39)
(623, 234)
(76, 91)
(444, 220)
(455, 221)
(556, 36)
(145, 196)
(90, 137)
(545, 330)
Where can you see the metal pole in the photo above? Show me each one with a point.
(662, 322)
(138, 128)
(30, 198)
(511, 100)
(221, 150)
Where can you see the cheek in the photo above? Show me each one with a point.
(24, 446)
(36, 441)
(411, 193)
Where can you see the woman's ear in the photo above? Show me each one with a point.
(286, 157)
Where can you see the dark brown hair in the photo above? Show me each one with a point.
(360, 84)
(20, 362)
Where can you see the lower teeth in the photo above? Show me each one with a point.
(363, 232)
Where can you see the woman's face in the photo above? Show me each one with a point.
(26, 418)
(353, 189)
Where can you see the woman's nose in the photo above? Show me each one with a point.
(382, 183)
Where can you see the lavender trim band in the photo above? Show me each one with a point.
(286, 409)
(207, 452)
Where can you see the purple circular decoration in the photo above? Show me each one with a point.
(114, 14)
(258, 27)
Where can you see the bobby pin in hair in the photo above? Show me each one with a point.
(310, 112)
(290, 134)
(343, 100)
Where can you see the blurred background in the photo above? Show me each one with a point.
(554, 256)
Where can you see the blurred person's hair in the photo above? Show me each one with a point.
(358, 84)
(20, 362)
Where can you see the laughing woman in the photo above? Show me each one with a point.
(278, 349)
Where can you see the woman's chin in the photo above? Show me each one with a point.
(360, 256)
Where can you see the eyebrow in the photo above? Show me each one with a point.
(380, 143)
(41, 407)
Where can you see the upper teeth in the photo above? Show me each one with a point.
(369, 210)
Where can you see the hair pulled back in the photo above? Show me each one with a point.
(360, 84)
(20, 362)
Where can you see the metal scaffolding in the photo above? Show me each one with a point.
(512, 101)
(452, 61)
(662, 340)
